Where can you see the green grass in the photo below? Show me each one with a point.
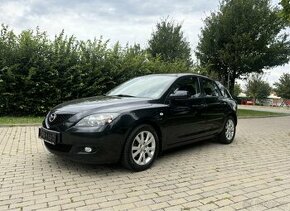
(10, 120)
(244, 113)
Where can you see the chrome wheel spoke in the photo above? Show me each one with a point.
(150, 148)
(143, 158)
(148, 138)
(140, 158)
(149, 141)
(149, 155)
(135, 148)
(138, 140)
(136, 153)
(142, 137)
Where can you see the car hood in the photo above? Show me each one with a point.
(99, 103)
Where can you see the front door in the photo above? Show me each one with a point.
(185, 117)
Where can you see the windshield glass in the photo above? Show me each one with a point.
(151, 86)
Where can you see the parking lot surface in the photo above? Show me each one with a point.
(278, 109)
(253, 173)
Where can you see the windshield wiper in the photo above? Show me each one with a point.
(122, 95)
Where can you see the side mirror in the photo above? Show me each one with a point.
(179, 95)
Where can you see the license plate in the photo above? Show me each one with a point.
(49, 136)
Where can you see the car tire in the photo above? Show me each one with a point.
(229, 131)
(141, 148)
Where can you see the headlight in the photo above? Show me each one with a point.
(97, 120)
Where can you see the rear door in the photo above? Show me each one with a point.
(215, 106)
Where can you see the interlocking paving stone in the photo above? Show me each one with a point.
(250, 174)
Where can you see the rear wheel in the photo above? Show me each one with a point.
(141, 148)
(228, 134)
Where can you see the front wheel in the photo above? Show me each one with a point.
(228, 134)
(141, 148)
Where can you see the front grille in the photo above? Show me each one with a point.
(60, 119)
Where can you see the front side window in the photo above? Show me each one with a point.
(210, 88)
(190, 85)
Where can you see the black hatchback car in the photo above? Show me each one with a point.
(137, 120)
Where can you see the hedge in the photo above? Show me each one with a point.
(37, 73)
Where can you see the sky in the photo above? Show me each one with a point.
(130, 21)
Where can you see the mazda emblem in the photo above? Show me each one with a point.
(52, 117)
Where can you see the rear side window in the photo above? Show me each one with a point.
(223, 90)
(210, 88)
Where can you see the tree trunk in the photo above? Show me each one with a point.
(232, 85)
(254, 101)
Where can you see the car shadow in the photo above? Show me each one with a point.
(188, 147)
(83, 168)
(67, 165)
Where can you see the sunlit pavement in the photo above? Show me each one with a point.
(253, 173)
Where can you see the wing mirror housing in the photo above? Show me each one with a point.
(179, 95)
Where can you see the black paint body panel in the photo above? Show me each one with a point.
(176, 123)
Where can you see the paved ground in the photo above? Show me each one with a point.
(266, 108)
(251, 174)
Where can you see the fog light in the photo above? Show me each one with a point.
(88, 149)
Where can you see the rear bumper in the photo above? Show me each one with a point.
(106, 147)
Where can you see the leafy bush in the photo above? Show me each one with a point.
(37, 73)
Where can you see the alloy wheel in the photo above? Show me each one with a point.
(143, 148)
(230, 129)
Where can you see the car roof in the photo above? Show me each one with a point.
(178, 75)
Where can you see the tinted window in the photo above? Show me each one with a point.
(223, 90)
(190, 85)
(210, 88)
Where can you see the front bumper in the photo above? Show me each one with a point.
(106, 146)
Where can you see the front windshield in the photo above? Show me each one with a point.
(151, 86)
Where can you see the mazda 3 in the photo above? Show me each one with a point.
(140, 118)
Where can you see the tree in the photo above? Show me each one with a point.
(237, 89)
(257, 88)
(244, 36)
(169, 44)
(285, 9)
(283, 86)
